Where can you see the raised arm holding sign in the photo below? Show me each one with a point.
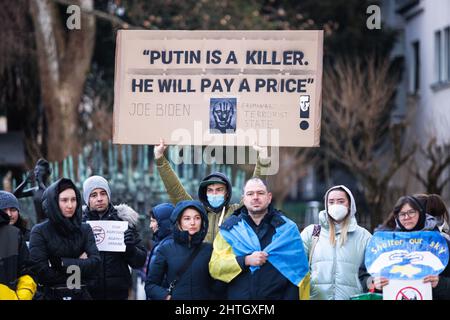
(214, 190)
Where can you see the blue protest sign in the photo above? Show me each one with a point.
(406, 255)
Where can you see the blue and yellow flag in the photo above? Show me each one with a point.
(285, 253)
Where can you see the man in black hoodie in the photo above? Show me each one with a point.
(214, 191)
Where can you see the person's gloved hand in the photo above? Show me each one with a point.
(128, 238)
(56, 263)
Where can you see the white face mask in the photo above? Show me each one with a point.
(337, 211)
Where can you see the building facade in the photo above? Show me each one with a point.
(423, 95)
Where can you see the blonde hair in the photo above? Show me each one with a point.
(344, 230)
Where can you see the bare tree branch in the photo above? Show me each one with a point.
(356, 102)
(293, 167)
(438, 161)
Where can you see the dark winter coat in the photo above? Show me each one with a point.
(162, 215)
(266, 282)
(63, 240)
(114, 278)
(13, 252)
(22, 225)
(195, 283)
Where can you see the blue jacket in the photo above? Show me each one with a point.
(169, 257)
(162, 213)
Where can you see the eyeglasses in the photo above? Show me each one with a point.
(410, 213)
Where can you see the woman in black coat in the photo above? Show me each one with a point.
(63, 241)
(190, 224)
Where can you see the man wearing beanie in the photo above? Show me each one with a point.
(10, 205)
(114, 280)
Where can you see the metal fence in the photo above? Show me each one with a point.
(132, 174)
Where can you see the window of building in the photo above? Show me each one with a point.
(447, 54)
(438, 57)
(414, 83)
(442, 55)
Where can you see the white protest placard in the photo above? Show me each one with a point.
(407, 290)
(222, 88)
(109, 235)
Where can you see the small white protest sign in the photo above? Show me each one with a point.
(407, 290)
(109, 234)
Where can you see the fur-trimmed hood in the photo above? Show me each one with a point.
(122, 211)
(126, 213)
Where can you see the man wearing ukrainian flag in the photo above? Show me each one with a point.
(259, 252)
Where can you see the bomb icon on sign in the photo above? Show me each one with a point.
(305, 102)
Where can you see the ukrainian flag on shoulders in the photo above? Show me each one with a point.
(285, 253)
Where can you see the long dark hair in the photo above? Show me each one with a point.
(21, 223)
(416, 204)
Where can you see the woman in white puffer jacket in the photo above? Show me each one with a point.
(338, 254)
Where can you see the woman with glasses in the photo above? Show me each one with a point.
(434, 206)
(410, 215)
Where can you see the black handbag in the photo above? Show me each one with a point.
(64, 293)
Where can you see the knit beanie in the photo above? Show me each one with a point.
(92, 183)
(8, 200)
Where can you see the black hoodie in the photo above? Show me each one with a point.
(202, 191)
(62, 239)
(50, 204)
